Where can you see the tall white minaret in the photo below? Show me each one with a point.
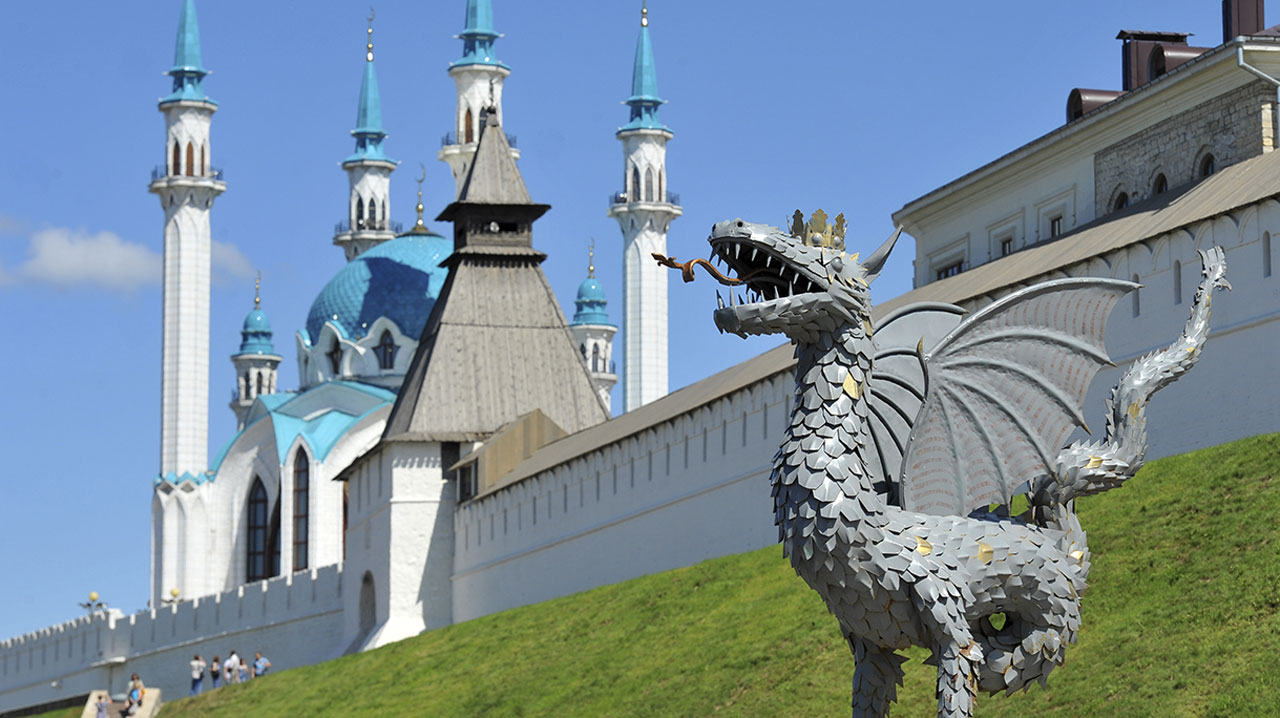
(644, 210)
(592, 331)
(186, 186)
(478, 77)
(369, 170)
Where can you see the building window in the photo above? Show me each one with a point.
(177, 167)
(467, 131)
(335, 357)
(386, 350)
(635, 183)
(583, 348)
(1266, 254)
(202, 170)
(648, 185)
(247, 385)
(373, 214)
(191, 159)
(1177, 282)
(950, 270)
(1208, 166)
(1006, 246)
(1137, 300)
(595, 357)
(301, 494)
(259, 385)
(257, 537)
(1160, 185)
(1122, 201)
(1055, 227)
(359, 213)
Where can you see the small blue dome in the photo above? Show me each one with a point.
(255, 334)
(591, 304)
(399, 280)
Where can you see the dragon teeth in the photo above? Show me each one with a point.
(737, 250)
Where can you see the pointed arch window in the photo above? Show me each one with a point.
(247, 384)
(335, 357)
(359, 213)
(273, 542)
(373, 214)
(386, 350)
(191, 159)
(635, 183)
(1208, 166)
(203, 172)
(595, 357)
(648, 184)
(662, 176)
(259, 385)
(256, 543)
(176, 169)
(301, 496)
(467, 128)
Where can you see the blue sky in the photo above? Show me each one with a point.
(854, 107)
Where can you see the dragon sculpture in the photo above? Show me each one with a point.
(910, 439)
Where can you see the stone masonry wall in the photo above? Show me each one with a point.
(1233, 127)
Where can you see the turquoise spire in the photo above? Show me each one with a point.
(368, 132)
(644, 100)
(592, 308)
(478, 35)
(188, 71)
(255, 334)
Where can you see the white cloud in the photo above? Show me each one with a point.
(68, 257)
(229, 263)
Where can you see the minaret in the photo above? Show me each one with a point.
(256, 362)
(592, 332)
(187, 184)
(478, 77)
(644, 210)
(369, 170)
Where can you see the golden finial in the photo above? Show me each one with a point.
(591, 258)
(644, 13)
(368, 51)
(421, 179)
(257, 293)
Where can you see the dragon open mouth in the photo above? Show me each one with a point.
(765, 275)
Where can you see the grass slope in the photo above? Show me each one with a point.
(1181, 620)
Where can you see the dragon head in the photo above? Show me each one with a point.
(798, 283)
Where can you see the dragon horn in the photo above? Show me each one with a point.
(875, 262)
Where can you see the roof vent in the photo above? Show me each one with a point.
(1241, 17)
(1081, 101)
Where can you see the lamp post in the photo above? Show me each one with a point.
(173, 597)
(94, 605)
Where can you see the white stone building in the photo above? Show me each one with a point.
(477, 469)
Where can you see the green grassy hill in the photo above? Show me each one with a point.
(1182, 620)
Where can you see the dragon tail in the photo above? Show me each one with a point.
(1085, 468)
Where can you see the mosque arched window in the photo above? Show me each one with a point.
(648, 184)
(584, 352)
(203, 173)
(386, 350)
(467, 131)
(373, 214)
(273, 542)
(595, 357)
(256, 539)
(191, 159)
(301, 496)
(1208, 166)
(635, 183)
(258, 388)
(247, 384)
(176, 169)
(335, 357)
(359, 213)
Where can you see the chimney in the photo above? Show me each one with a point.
(1135, 53)
(1241, 17)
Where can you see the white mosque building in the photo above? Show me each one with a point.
(435, 465)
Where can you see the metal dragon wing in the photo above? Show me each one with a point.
(1005, 389)
(897, 385)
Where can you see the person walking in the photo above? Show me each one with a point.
(260, 664)
(197, 675)
(232, 667)
(215, 672)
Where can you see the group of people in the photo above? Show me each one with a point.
(132, 701)
(233, 670)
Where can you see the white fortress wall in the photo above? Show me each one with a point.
(687, 489)
(1224, 397)
(293, 619)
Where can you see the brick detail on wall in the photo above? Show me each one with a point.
(1234, 127)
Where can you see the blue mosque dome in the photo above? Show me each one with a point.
(399, 279)
(255, 335)
(592, 307)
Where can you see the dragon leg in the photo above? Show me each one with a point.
(1085, 468)
(876, 675)
(957, 679)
